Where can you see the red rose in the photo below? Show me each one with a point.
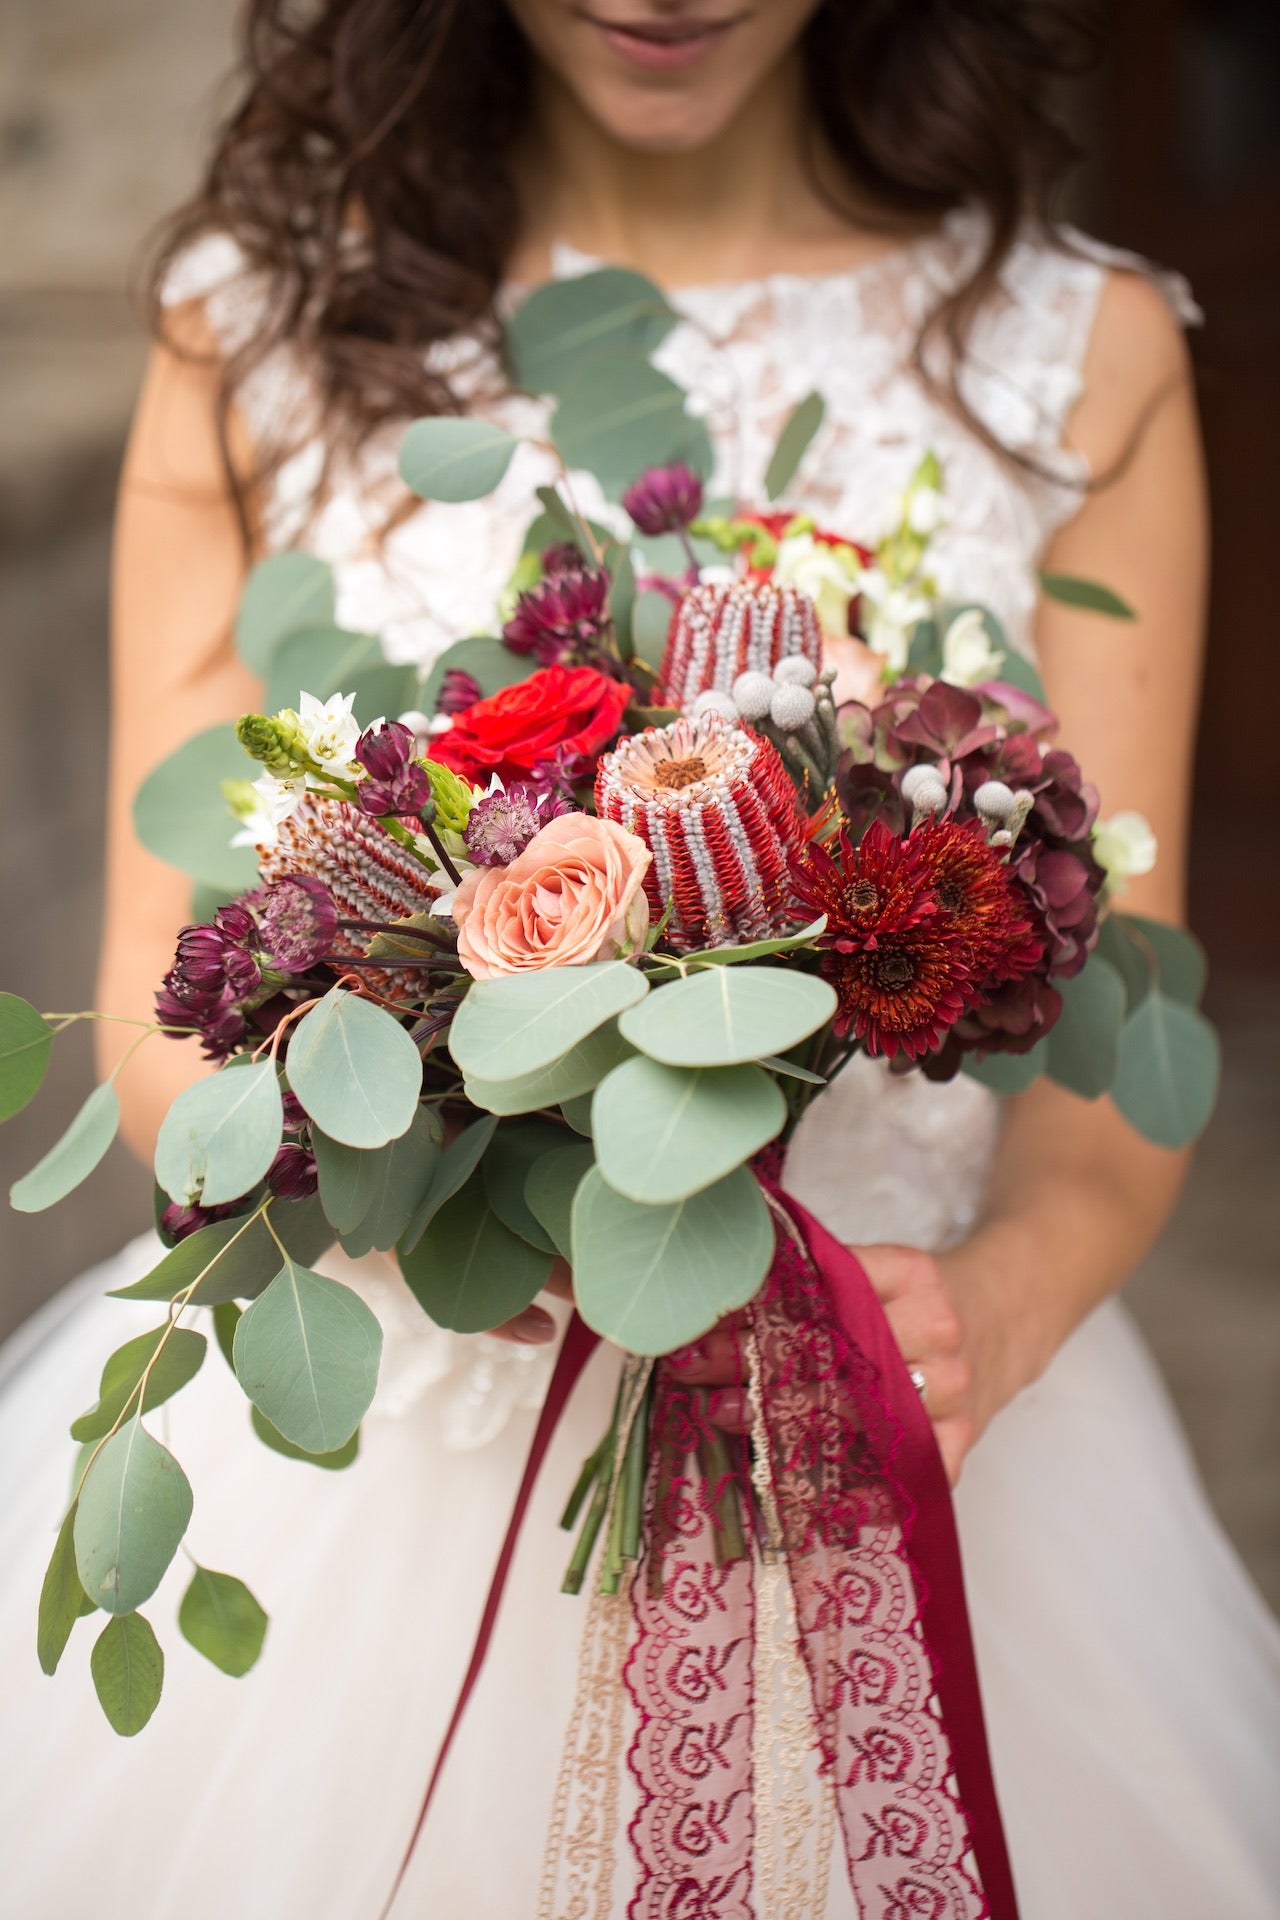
(556, 711)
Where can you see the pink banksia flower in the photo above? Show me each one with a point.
(664, 500)
(720, 631)
(368, 876)
(717, 809)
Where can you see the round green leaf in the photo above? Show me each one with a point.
(26, 1040)
(220, 1135)
(133, 1511)
(62, 1598)
(549, 1187)
(663, 1133)
(1008, 1072)
(235, 1259)
(653, 1278)
(329, 660)
(180, 1360)
(504, 1169)
(271, 1437)
(619, 415)
(577, 1111)
(306, 1353)
(793, 443)
(468, 1271)
(727, 1015)
(566, 321)
(284, 592)
(1082, 1047)
(128, 1672)
(1071, 591)
(576, 1072)
(521, 1023)
(222, 1620)
(399, 1178)
(455, 459)
(455, 1167)
(491, 664)
(180, 815)
(1173, 955)
(355, 1070)
(72, 1158)
(1166, 1083)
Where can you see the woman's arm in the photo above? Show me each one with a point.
(178, 567)
(1076, 1196)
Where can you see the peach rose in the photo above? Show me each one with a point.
(575, 894)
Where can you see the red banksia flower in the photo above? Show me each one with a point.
(897, 967)
(664, 500)
(719, 631)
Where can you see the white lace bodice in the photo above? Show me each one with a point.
(878, 1157)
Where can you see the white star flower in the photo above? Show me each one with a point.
(260, 824)
(329, 731)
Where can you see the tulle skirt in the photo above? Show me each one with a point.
(1131, 1674)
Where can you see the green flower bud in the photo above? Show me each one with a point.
(240, 797)
(276, 741)
(454, 797)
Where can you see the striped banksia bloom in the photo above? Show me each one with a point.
(369, 876)
(716, 807)
(720, 631)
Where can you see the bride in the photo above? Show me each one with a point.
(848, 196)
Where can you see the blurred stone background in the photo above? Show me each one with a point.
(103, 110)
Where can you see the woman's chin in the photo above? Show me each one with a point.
(652, 120)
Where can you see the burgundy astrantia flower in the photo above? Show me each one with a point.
(896, 963)
(664, 500)
(395, 782)
(299, 920)
(458, 691)
(180, 1221)
(292, 1174)
(502, 823)
(564, 619)
(213, 975)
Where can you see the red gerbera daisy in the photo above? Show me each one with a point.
(896, 963)
(979, 901)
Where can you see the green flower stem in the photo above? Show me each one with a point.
(716, 1464)
(586, 1479)
(577, 1568)
(634, 1475)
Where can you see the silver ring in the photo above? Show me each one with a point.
(917, 1379)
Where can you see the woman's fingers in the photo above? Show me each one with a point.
(535, 1326)
(718, 1359)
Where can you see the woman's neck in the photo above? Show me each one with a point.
(746, 204)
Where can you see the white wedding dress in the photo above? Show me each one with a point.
(1131, 1675)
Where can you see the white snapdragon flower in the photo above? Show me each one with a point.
(829, 575)
(1124, 846)
(329, 731)
(889, 615)
(276, 800)
(968, 653)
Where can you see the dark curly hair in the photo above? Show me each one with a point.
(398, 119)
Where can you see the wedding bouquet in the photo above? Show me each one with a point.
(551, 963)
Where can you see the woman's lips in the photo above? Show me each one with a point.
(663, 46)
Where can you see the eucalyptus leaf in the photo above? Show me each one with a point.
(1083, 1044)
(333, 1462)
(577, 1071)
(127, 1666)
(453, 1170)
(225, 1317)
(1090, 595)
(1008, 1072)
(618, 415)
(505, 1168)
(654, 1278)
(727, 1015)
(549, 1187)
(26, 1041)
(1166, 1083)
(72, 1158)
(663, 1133)
(345, 1176)
(180, 1360)
(565, 322)
(355, 1070)
(306, 1353)
(622, 596)
(650, 625)
(1170, 955)
(750, 950)
(577, 1112)
(235, 1259)
(522, 1023)
(558, 522)
(329, 660)
(284, 592)
(792, 1070)
(222, 1620)
(62, 1598)
(454, 458)
(180, 815)
(132, 1513)
(793, 443)
(1017, 671)
(220, 1136)
(491, 664)
(399, 1180)
(469, 1271)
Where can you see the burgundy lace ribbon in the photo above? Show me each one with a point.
(859, 1511)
